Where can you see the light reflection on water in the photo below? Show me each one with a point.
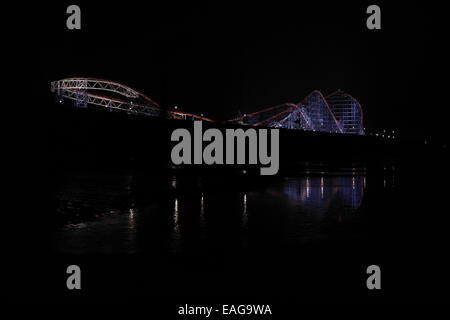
(176, 234)
(318, 194)
(304, 207)
(244, 211)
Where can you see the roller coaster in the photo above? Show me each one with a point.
(337, 112)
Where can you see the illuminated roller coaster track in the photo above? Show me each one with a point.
(82, 91)
(338, 112)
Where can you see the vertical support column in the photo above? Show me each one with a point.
(81, 98)
(81, 95)
(58, 92)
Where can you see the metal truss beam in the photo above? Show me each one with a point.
(133, 102)
(313, 113)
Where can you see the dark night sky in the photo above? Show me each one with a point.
(219, 58)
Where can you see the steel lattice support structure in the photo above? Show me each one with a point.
(79, 83)
(318, 110)
(313, 113)
(83, 92)
(339, 112)
(347, 111)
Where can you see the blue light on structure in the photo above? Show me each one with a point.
(338, 112)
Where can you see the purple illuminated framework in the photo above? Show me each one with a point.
(338, 112)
